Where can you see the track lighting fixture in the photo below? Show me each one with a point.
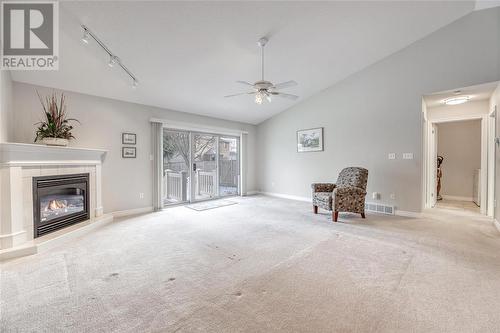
(113, 59)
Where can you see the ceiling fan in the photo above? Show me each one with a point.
(265, 89)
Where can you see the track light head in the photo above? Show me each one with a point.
(135, 83)
(113, 60)
(85, 37)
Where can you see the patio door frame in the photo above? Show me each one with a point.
(193, 172)
(242, 135)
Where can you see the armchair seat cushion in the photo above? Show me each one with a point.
(323, 200)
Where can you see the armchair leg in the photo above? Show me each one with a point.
(335, 216)
(363, 215)
(315, 209)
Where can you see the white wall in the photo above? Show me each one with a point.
(6, 111)
(102, 122)
(378, 111)
(459, 142)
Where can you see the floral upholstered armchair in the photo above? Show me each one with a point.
(347, 195)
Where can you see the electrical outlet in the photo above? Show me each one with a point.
(272, 184)
(375, 195)
(407, 156)
(393, 196)
(391, 156)
(141, 195)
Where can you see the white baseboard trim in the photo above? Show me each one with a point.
(455, 197)
(497, 224)
(287, 196)
(405, 213)
(251, 193)
(135, 211)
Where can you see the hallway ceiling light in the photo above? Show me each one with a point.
(456, 100)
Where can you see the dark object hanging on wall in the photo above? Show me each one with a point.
(439, 174)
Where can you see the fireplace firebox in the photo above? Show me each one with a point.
(59, 201)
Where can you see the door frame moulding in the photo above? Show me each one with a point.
(428, 160)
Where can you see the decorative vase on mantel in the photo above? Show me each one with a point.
(55, 142)
(54, 129)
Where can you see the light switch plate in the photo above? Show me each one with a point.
(407, 156)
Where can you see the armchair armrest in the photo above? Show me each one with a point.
(339, 191)
(323, 187)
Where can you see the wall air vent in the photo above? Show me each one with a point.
(379, 208)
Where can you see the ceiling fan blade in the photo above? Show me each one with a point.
(286, 84)
(288, 96)
(245, 83)
(245, 93)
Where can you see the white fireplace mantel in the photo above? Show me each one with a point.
(25, 154)
(19, 163)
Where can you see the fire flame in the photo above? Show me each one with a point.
(56, 204)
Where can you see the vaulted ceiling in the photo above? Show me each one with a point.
(188, 55)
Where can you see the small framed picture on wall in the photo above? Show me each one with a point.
(129, 138)
(310, 140)
(129, 152)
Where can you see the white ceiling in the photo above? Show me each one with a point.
(478, 92)
(188, 55)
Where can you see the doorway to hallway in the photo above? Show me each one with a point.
(459, 150)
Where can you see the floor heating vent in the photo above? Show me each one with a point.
(379, 208)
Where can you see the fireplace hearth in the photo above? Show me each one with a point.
(59, 201)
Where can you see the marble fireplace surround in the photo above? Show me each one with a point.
(19, 163)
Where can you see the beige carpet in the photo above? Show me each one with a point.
(264, 265)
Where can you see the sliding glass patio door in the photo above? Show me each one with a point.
(199, 166)
(229, 166)
(205, 166)
(176, 167)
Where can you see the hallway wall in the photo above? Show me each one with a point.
(459, 142)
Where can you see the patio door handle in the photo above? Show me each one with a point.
(194, 166)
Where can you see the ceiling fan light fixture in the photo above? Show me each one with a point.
(263, 88)
(456, 100)
(258, 98)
